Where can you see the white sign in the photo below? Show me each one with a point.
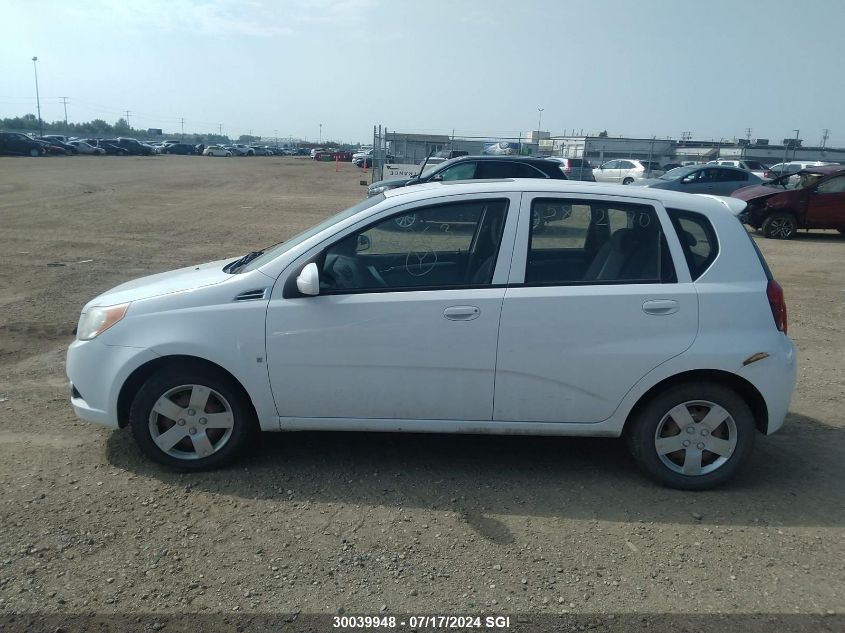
(392, 170)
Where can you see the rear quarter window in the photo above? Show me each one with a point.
(697, 238)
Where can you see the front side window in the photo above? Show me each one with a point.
(731, 175)
(834, 185)
(434, 247)
(590, 242)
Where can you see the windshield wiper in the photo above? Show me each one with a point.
(241, 261)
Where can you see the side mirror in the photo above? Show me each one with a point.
(308, 281)
(364, 243)
(685, 180)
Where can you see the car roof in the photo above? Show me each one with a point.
(505, 157)
(824, 170)
(694, 202)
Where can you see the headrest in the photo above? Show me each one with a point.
(623, 239)
(688, 238)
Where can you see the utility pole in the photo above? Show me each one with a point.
(825, 136)
(320, 140)
(748, 134)
(539, 120)
(220, 129)
(64, 103)
(795, 146)
(38, 97)
(182, 121)
(128, 112)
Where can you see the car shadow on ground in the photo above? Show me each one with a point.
(793, 478)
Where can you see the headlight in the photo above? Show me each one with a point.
(98, 319)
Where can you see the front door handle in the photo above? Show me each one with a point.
(461, 313)
(660, 306)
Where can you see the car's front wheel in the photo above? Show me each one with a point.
(627, 181)
(191, 417)
(780, 226)
(692, 436)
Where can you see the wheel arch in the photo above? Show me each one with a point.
(140, 375)
(740, 385)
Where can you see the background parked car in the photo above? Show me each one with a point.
(86, 148)
(16, 144)
(712, 179)
(575, 168)
(135, 147)
(241, 150)
(791, 168)
(55, 148)
(484, 167)
(110, 146)
(627, 170)
(817, 202)
(260, 150)
(184, 149)
(754, 166)
(216, 150)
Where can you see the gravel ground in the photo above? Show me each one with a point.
(368, 523)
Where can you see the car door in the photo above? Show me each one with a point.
(699, 181)
(826, 204)
(594, 303)
(406, 322)
(608, 172)
(728, 180)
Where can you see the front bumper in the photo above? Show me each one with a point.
(97, 372)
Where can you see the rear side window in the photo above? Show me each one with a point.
(697, 238)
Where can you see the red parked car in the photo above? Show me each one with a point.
(333, 154)
(816, 202)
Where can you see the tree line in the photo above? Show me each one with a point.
(98, 128)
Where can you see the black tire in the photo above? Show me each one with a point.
(34, 152)
(641, 436)
(627, 181)
(121, 153)
(780, 226)
(244, 424)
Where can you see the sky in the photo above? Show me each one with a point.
(480, 67)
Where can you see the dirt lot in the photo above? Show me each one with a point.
(326, 523)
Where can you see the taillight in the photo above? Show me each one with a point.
(776, 301)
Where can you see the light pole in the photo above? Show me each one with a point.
(320, 140)
(539, 120)
(795, 145)
(38, 97)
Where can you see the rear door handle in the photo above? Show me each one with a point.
(461, 313)
(660, 306)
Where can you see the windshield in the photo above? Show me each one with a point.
(678, 173)
(272, 252)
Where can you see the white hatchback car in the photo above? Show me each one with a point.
(619, 320)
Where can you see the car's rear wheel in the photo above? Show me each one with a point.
(780, 226)
(190, 417)
(34, 152)
(627, 181)
(692, 436)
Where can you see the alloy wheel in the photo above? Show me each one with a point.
(781, 228)
(191, 422)
(695, 438)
